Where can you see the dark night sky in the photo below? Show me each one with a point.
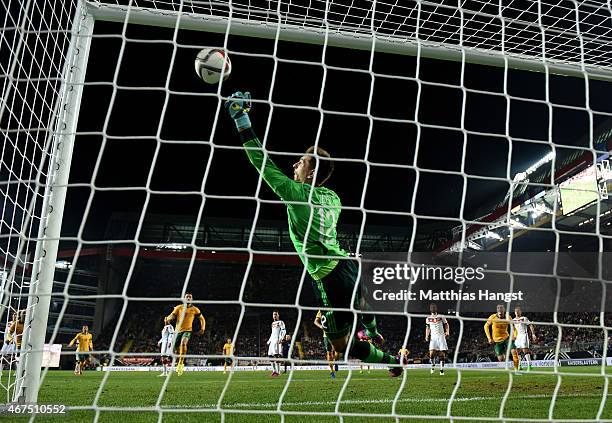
(191, 109)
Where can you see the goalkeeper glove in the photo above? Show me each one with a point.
(238, 106)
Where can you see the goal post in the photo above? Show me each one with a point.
(574, 56)
(60, 144)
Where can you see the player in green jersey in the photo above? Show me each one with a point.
(334, 275)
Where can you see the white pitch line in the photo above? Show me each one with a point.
(266, 379)
(376, 401)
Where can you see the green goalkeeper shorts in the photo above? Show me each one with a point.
(502, 347)
(336, 290)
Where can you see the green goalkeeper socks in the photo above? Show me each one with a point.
(368, 353)
(369, 321)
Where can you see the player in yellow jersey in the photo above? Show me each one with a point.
(9, 348)
(185, 315)
(367, 365)
(228, 349)
(15, 330)
(84, 345)
(330, 354)
(403, 354)
(497, 328)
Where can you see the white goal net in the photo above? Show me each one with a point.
(467, 128)
(37, 68)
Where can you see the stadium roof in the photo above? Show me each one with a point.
(538, 197)
(268, 235)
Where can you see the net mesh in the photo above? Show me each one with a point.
(556, 31)
(36, 37)
(34, 41)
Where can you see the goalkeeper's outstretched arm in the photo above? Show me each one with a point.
(238, 105)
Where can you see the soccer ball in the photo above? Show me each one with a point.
(212, 64)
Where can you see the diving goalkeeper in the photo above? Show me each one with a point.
(334, 277)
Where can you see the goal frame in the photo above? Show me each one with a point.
(68, 105)
(43, 269)
(333, 36)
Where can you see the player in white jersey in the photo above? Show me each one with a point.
(165, 343)
(436, 331)
(520, 335)
(275, 349)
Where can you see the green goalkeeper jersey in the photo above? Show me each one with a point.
(326, 206)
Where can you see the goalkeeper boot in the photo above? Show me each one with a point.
(332, 375)
(377, 339)
(395, 371)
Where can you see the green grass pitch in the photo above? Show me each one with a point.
(311, 392)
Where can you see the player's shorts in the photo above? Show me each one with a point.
(228, 361)
(336, 290)
(438, 343)
(275, 349)
(166, 348)
(7, 349)
(501, 347)
(522, 341)
(179, 337)
(328, 346)
(83, 356)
